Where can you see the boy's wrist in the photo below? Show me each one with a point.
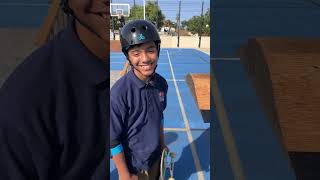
(129, 177)
(124, 175)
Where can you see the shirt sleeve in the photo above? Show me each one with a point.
(117, 116)
(164, 101)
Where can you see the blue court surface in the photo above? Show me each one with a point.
(185, 131)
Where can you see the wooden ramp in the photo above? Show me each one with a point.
(115, 46)
(286, 74)
(286, 77)
(199, 85)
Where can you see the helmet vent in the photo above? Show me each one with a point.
(144, 28)
(133, 29)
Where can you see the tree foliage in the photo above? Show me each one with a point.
(136, 12)
(153, 14)
(184, 24)
(198, 24)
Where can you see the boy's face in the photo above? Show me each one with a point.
(144, 58)
(93, 14)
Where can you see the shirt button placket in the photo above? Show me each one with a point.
(149, 99)
(149, 102)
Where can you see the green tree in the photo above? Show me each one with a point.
(153, 13)
(136, 12)
(115, 23)
(197, 24)
(184, 24)
(206, 30)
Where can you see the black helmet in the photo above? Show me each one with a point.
(138, 32)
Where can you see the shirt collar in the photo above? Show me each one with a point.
(138, 82)
(81, 59)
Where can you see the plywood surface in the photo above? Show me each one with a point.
(286, 76)
(200, 87)
(115, 46)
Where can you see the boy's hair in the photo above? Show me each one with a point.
(138, 32)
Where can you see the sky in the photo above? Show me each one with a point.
(170, 8)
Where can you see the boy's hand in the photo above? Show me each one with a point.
(164, 147)
(172, 154)
(134, 177)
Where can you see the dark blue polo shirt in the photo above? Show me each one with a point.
(53, 114)
(136, 112)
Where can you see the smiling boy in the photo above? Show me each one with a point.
(137, 102)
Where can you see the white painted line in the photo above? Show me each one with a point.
(175, 129)
(206, 52)
(227, 133)
(182, 129)
(190, 139)
(225, 59)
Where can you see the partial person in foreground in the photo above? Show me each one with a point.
(137, 102)
(53, 118)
